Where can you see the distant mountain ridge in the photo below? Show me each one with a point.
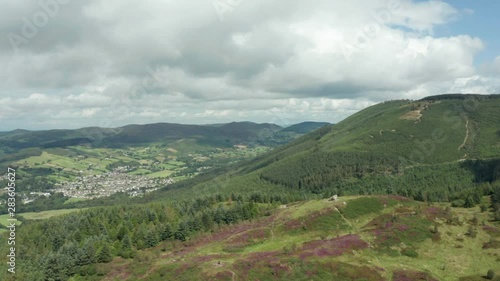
(226, 134)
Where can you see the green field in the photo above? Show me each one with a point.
(46, 214)
(5, 222)
(35, 216)
(160, 174)
(72, 200)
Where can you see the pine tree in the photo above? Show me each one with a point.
(469, 202)
(88, 252)
(151, 239)
(126, 251)
(54, 270)
(207, 221)
(182, 232)
(167, 232)
(104, 254)
(121, 233)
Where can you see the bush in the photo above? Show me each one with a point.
(497, 215)
(289, 248)
(409, 253)
(87, 270)
(471, 232)
(458, 203)
(484, 208)
(490, 275)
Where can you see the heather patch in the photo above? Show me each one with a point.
(319, 271)
(249, 237)
(207, 258)
(492, 244)
(434, 212)
(174, 271)
(404, 211)
(407, 275)
(220, 276)
(491, 230)
(255, 261)
(270, 267)
(332, 247)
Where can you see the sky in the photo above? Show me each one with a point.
(71, 64)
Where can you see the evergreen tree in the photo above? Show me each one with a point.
(469, 202)
(87, 254)
(167, 232)
(121, 232)
(151, 238)
(55, 268)
(104, 254)
(182, 232)
(207, 221)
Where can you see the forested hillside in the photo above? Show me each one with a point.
(437, 149)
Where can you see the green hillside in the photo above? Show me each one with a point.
(435, 149)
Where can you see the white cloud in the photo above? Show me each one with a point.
(176, 61)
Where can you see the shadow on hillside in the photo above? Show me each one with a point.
(484, 170)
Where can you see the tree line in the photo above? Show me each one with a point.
(62, 246)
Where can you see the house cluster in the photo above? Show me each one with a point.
(94, 186)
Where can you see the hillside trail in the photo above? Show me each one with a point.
(466, 133)
(233, 278)
(343, 216)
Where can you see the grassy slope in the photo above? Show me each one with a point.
(383, 128)
(313, 241)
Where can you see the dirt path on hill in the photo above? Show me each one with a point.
(343, 216)
(233, 278)
(466, 133)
